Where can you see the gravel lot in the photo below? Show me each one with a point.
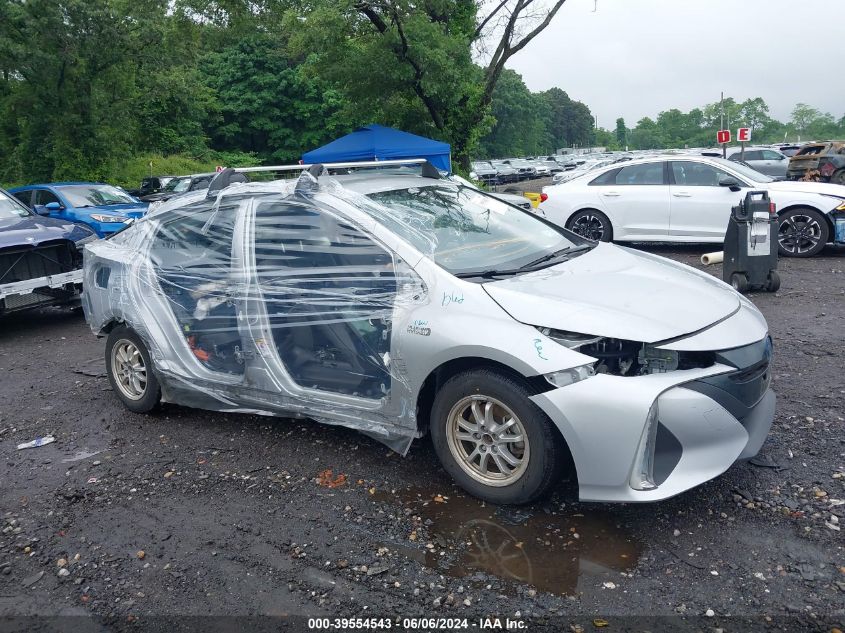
(196, 513)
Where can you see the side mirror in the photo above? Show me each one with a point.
(730, 183)
(40, 209)
(53, 207)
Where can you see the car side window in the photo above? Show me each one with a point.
(752, 155)
(191, 257)
(329, 291)
(770, 155)
(25, 197)
(607, 178)
(644, 174)
(692, 174)
(42, 196)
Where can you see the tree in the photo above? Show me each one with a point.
(802, 116)
(407, 56)
(621, 132)
(519, 129)
(754, 114)
(268, 105)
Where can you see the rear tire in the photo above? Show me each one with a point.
(477, 420)
(591, 224)
(802, 232)
(130, 371)
(773, 281)
(739, 281)
(838, 178)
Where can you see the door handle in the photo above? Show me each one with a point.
(611, 194)
(682, 194)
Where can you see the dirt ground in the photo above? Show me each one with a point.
(188, 512)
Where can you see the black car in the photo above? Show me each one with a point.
(180, 184)
(151, 185)
(40, 257)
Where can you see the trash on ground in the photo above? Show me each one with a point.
(38, 441)
(326, 479)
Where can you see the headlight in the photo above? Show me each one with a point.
(569, 339)
(841, 207)
(102, 217)
(568, 376)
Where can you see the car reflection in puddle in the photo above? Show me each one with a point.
(553, 552)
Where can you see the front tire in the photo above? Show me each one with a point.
(838, 178)
(592, 224)
(130, 371)
(493, 440)
(802, 232)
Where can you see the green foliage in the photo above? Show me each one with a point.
(96, 89)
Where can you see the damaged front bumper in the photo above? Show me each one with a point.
(21, 294)
(680, 428)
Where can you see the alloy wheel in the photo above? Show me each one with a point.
(129, 369)
(487, 440)
(589, 226)
(799, 233)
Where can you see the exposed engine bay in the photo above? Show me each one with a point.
(620, 357)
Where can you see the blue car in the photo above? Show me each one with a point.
(104, 208)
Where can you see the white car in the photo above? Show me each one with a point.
(681, 198)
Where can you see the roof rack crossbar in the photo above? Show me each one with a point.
(368, 163)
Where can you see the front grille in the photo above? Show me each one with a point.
(16, 302)
(739, 391)
(20, 263)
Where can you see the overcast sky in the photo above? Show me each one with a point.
(634, 58)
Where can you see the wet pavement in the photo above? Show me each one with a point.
(189, 512)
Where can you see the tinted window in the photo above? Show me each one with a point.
(690, 174)
(770, 155)
(42, 196)
(607, 178)
(24, 196)
(645, 174)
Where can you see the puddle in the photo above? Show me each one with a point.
(552, 552)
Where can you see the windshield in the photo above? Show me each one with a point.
(178, 185)
(95, 195)
(465, 230)
(744, 170)
(11, 208)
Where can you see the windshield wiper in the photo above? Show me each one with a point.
(529, 267)
(550, 256)
(489, 273)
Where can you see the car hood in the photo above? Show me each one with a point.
(795, 186)
(617, 292)
(34, 230)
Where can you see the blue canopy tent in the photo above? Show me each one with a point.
(376, 142)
